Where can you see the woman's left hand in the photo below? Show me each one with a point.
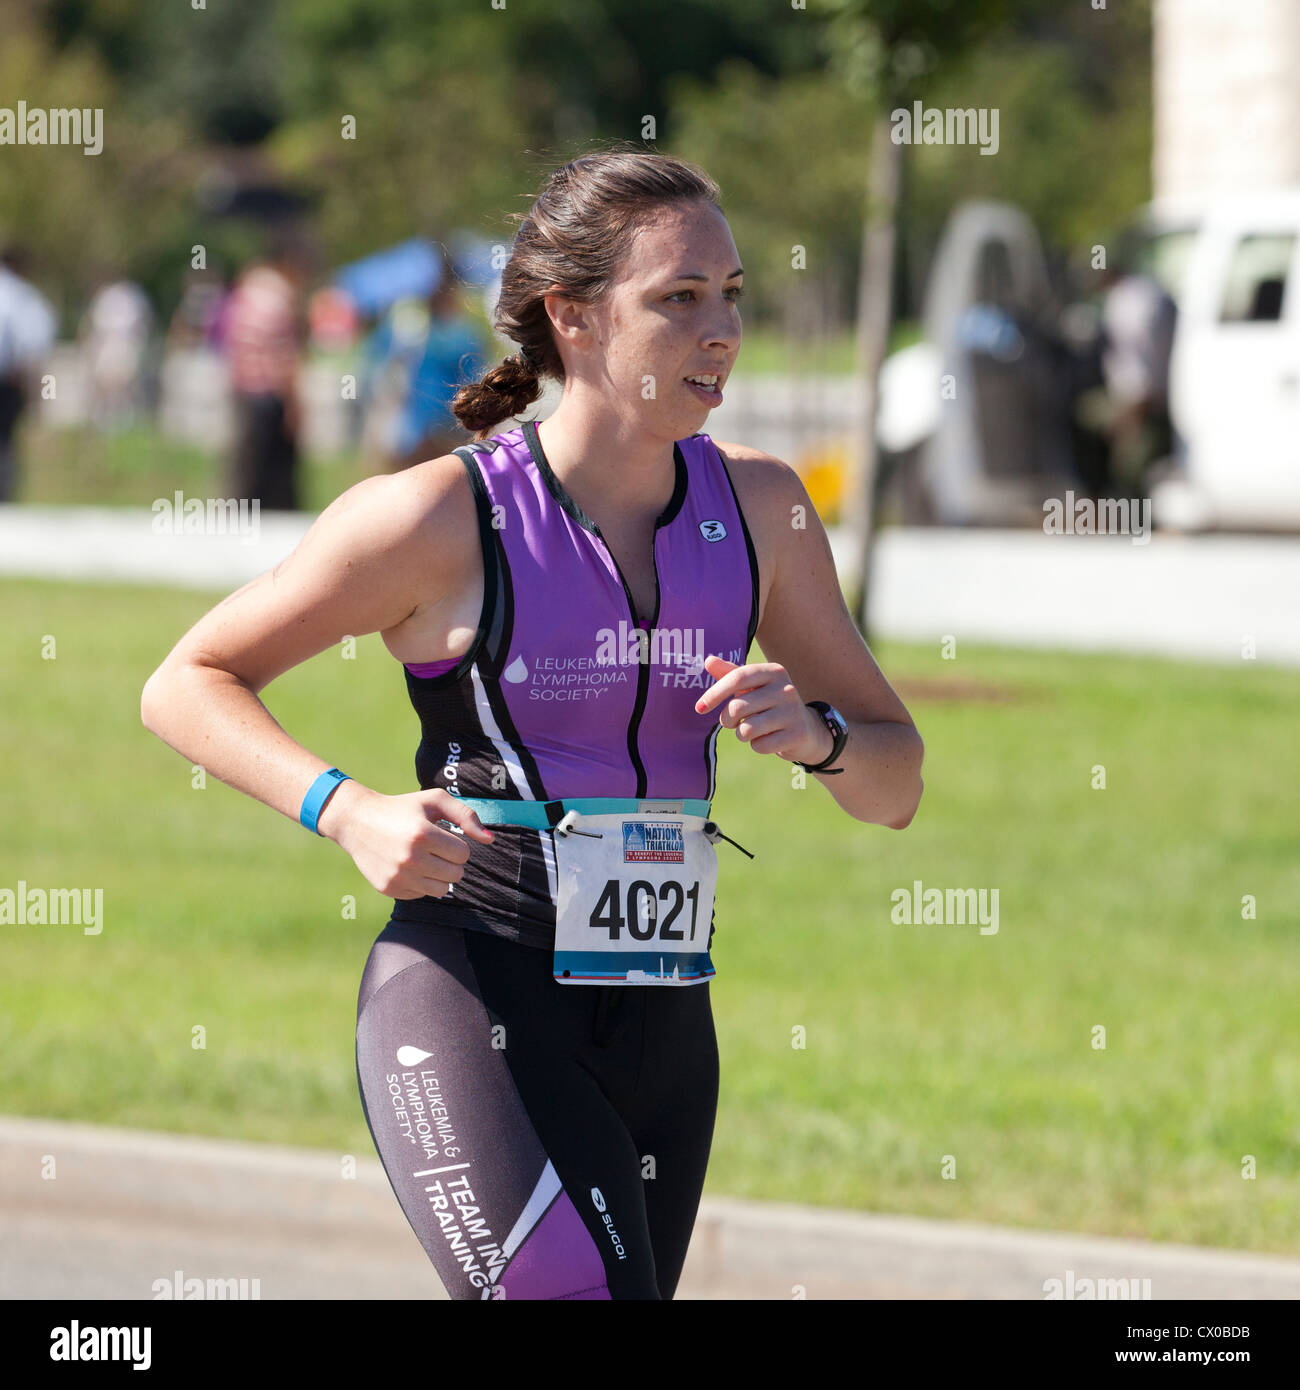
(760, 702)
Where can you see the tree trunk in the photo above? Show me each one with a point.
(875, 282)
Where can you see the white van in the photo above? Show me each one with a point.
(1234, 377)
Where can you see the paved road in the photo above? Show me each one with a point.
(125, 1209)
(1198, 597)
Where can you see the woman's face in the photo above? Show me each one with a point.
(671, 313)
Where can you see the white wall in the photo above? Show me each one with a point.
(1227, 95)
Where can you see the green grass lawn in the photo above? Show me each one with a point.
(1118, 907)
(134, 467)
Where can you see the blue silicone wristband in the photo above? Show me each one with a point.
(318, 794)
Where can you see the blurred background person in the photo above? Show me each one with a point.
(197, 320)
(1137, 325)
(422, 351)
(1088, 411)
(27, 328)
(115, 334)
(334, 423)
(263, 336)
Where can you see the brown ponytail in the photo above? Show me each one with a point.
(572, 241)
(502, 393)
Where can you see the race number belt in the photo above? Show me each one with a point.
(635, 884)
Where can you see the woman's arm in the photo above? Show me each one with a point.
(814, 651)
(378, 552)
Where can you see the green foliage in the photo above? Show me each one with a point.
(789, 155)
(79, 213)
(460, 111)
(883, 45)
(1072, 155)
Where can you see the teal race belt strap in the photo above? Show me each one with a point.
(545, 815)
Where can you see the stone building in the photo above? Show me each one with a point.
(1227, 95)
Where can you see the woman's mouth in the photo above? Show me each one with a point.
(705, 385)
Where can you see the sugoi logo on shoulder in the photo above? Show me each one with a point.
(713, 531)
(653, 842)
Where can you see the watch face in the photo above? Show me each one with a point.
(836, 719)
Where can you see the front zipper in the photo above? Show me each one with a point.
(561, 495)
(643, 667)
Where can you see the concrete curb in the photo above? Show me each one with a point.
(290, 1205)
(911, 1257)
(119, 545)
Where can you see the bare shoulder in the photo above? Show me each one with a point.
(411, 497)
(750, 459)
(375, 556)
(428, 509)
(439, 491)
(391, 543)
(766, 486)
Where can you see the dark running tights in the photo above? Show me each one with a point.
(544, 1140)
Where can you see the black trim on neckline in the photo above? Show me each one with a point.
(553, 485)
(679, 490)
(557, 490)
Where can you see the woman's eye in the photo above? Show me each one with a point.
(736, 291)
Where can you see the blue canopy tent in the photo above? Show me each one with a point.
(410, 270)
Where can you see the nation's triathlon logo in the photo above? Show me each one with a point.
(653, 842)
(713, 531)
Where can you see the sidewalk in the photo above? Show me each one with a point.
(1194, 597)
(126, 1208)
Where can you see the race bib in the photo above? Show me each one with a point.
(635, 904)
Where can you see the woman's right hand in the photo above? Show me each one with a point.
(395, 842)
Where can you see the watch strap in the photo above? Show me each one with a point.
(838, 733)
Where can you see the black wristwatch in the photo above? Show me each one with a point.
(834, 721)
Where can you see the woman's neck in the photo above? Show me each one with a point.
(613, 467)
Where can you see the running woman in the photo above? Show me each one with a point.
(574, 604)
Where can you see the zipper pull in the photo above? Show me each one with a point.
(711, 832)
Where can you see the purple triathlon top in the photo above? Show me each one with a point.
(562, 692)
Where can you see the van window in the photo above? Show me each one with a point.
(1164, 255)
(1256, 281)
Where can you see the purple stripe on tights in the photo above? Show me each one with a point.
(558, 1259)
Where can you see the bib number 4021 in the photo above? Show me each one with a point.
(637, 909)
